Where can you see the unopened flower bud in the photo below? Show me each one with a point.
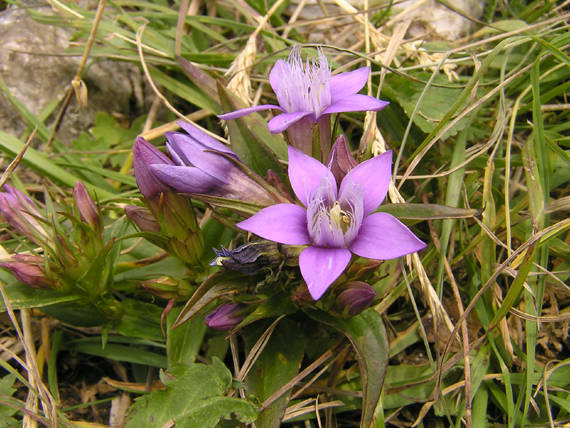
(204, 166)
(355, 297)
(145, 155)
(226, 316)
(167, 287)
(143, 218)
(22, 214)
(249, 258)
(88, 211)
(340, 159)
(173, 212)
(28, 269)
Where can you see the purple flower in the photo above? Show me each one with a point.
(203, 165)
(337, 220)
(226, 316)
(307, 92)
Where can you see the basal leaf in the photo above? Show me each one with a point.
(194, 397)
(367, 334)
(277, 365)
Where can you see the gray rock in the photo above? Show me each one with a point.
(37, 68)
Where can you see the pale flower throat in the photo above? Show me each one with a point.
(334, 222)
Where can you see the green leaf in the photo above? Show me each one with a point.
(127, 353)
(194, 398)
(434, 104)
(251, 140)
(43, 165)
(22, 296)
(426, 211)
(367, 334)
(184, 342)
(277, 365)
(7, 389)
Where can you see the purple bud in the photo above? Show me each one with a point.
(226, 316)
(355, 297)
(88, 211)
(340, 159)
(204, 166)
(28, 269)
(143, 218)
(22, 214)
(145, 155)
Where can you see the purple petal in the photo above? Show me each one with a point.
(283, 223)
(204, 139)
(320, 267)
(245, 111)
(185, 179)
(383, 237)
(345, 84)
(356, 102)
(306, 173)
(145, 155)
(278, 73)
(283, 121)
(373, 177)
(192, 152)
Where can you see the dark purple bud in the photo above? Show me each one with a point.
(226, 316)
(22, 214)
(28, 269)
(340, 159)
(355, 297)
(249, 258)
(145, 155)
(88, 211)
(143, 218)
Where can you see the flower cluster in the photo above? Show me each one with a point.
(335, 214)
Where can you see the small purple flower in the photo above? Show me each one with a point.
(203, 165)
(307, 93)
(226, 316)
(337, 220)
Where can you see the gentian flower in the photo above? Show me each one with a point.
(203, 165)
(336, 220)
(307, 93)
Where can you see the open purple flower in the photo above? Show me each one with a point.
(337, 220)
(307, 93)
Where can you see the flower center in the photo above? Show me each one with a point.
(305, 86)
(331, 222)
